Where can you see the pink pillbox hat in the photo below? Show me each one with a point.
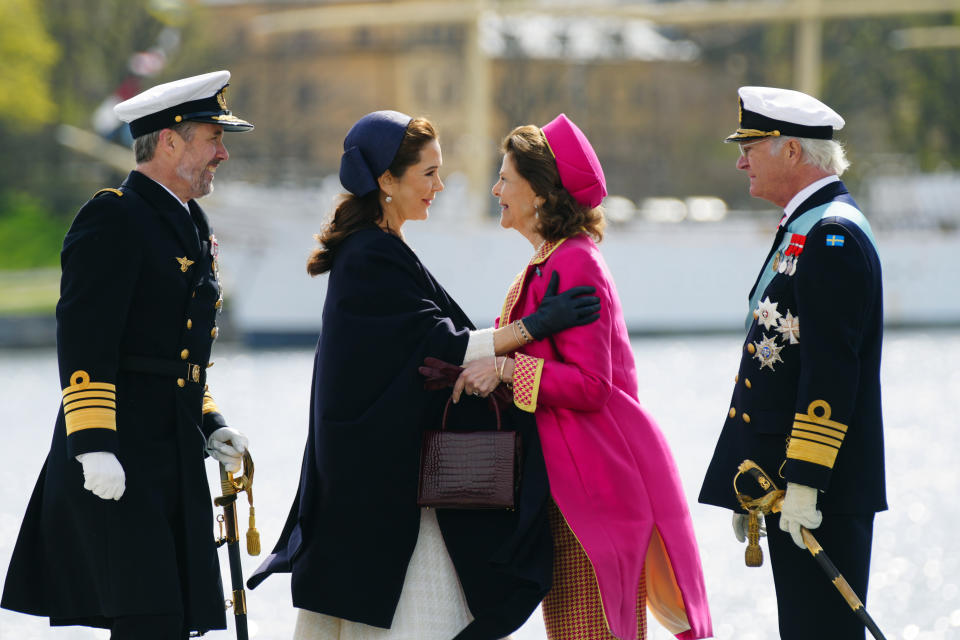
(577, 162)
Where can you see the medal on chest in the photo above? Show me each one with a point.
(215, 265)
(767, 351)
(787, 264)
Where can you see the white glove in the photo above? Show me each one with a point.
(799, 510)
(740, 521)
(227, 445)
(103, 474)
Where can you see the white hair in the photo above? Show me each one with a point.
(823, 154)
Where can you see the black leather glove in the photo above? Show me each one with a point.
(559, 311)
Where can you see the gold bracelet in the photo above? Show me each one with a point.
(513, 325)
(503, 363)
(495, 366)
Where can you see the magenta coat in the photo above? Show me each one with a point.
(610, 468)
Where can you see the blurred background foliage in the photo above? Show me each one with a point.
(60, 60)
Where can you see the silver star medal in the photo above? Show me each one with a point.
(768, 352)
(767, 313)
(789, 328)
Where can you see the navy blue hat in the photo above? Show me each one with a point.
(369, 149)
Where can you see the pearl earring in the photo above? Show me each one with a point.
(389, 199)
(536, 211)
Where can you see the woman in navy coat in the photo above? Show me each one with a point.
(364, 557)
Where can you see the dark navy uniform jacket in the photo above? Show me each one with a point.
(354, 522)
(136, 320)
(806, 403)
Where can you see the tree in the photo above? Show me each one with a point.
(27, 55)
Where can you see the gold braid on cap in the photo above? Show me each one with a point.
(756, 132)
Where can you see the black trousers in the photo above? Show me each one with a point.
(808, 605)
(148, 628)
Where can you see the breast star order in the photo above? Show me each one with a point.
(767, 313)
(768, 352)
(185, 263)
(790, 328)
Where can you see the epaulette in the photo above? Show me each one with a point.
(115, 192)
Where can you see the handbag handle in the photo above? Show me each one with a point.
(446, 409)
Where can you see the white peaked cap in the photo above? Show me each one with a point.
(198, 98)
(769, 111)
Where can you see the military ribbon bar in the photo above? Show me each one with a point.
(795, 247)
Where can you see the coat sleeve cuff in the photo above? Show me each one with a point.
(815, 441)
(90, 415)
(480, 345)
(527, 371)
(211, 422)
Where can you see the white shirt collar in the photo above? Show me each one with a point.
(175, 196)
(805, 193)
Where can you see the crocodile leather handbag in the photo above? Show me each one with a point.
(469, 469)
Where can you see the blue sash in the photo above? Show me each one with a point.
(801, 226)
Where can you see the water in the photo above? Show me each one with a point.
(684, 381)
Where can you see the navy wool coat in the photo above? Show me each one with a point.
(354, 522)
(138, 293)
(806, 405)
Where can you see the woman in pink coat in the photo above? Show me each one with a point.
(622, 532)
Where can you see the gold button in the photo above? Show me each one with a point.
(736, 378)
(733, 412)
(214, 333)
(181, 382)
(746, 418)
(751, 349)
(206, 387)
(218, 304)
(746, 381)
(185, 354)
(189, 323)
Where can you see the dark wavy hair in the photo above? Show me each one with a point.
(354, 213)
(560, 215)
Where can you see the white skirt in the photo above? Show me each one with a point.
(432, 605)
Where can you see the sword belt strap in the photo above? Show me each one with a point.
(180, 369)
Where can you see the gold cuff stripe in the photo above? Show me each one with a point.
(814, 452)
(823, 419)
(103, 386)
(209, 406)
(79, 404)
(81, 395)
(91, 418)
(827, 431)
(80, 381)
(816, 437)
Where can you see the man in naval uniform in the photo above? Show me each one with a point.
(118, 533)
(806, 403)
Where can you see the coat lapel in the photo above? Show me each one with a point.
(169, 209)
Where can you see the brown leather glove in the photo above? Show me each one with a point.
(440, 374)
